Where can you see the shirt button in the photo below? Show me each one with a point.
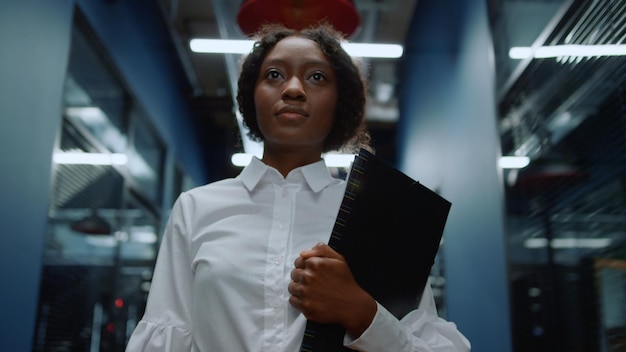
(278, 260)
(285, 193)
(281, 227)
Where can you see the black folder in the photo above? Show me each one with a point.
(388, 228)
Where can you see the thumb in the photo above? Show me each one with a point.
(321, 250)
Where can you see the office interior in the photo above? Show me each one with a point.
(533, 257)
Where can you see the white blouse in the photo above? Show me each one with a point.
(220, 281)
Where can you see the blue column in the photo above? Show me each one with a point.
(35, 37)
(448, 140)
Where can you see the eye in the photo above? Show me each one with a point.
(318, 76)
(273, 74)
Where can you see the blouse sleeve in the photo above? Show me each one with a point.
(421, 330)
(166, 324)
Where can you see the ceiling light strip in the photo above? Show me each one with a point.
(513, 162)
(554, 51)
(227, 46)
(90, 158)
(564, 243)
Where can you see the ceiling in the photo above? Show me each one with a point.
(542, 105)
(525, 89)
(213, 76)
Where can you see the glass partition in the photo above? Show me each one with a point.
(146, 158)
(566, 210)
(105, 210)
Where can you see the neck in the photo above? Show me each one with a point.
(286, 160)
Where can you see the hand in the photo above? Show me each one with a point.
(325, 291)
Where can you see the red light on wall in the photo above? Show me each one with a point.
(119, 303)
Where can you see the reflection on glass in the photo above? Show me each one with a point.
(104, 214)
(566, 211)
(94, 119)
(146, 157)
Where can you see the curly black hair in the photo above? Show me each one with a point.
(349, 131)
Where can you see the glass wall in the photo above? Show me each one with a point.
(105, 211)
(566, 210)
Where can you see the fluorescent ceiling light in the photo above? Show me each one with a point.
(391, 51)
(143, 234)
(513, 162)
(135, 163)
(225, 46)
(221, 46)
(331, 159)
(101, 241)
(543, 52)
(241, 159)
(562, 243)
(90, 158)
(338, 160)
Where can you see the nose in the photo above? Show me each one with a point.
(294, 89)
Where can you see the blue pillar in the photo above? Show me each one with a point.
(35, 37)
(448, 140)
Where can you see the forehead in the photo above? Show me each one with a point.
(296, 49)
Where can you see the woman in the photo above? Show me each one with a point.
(243, 262)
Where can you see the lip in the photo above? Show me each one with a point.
(291, 110)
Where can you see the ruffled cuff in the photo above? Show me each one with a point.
(150, 337)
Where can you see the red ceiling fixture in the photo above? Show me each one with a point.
(298, 14)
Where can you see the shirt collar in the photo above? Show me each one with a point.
(316, 175)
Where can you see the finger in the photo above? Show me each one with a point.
(321, 250)
(311, 252)
(296, 275)
(293, 288)
(295, 302)
(300, 263)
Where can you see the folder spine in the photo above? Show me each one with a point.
(353, 183)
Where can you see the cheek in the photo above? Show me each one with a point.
(260, 102)
(331, 111)
(257, 98)
(260, 110)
